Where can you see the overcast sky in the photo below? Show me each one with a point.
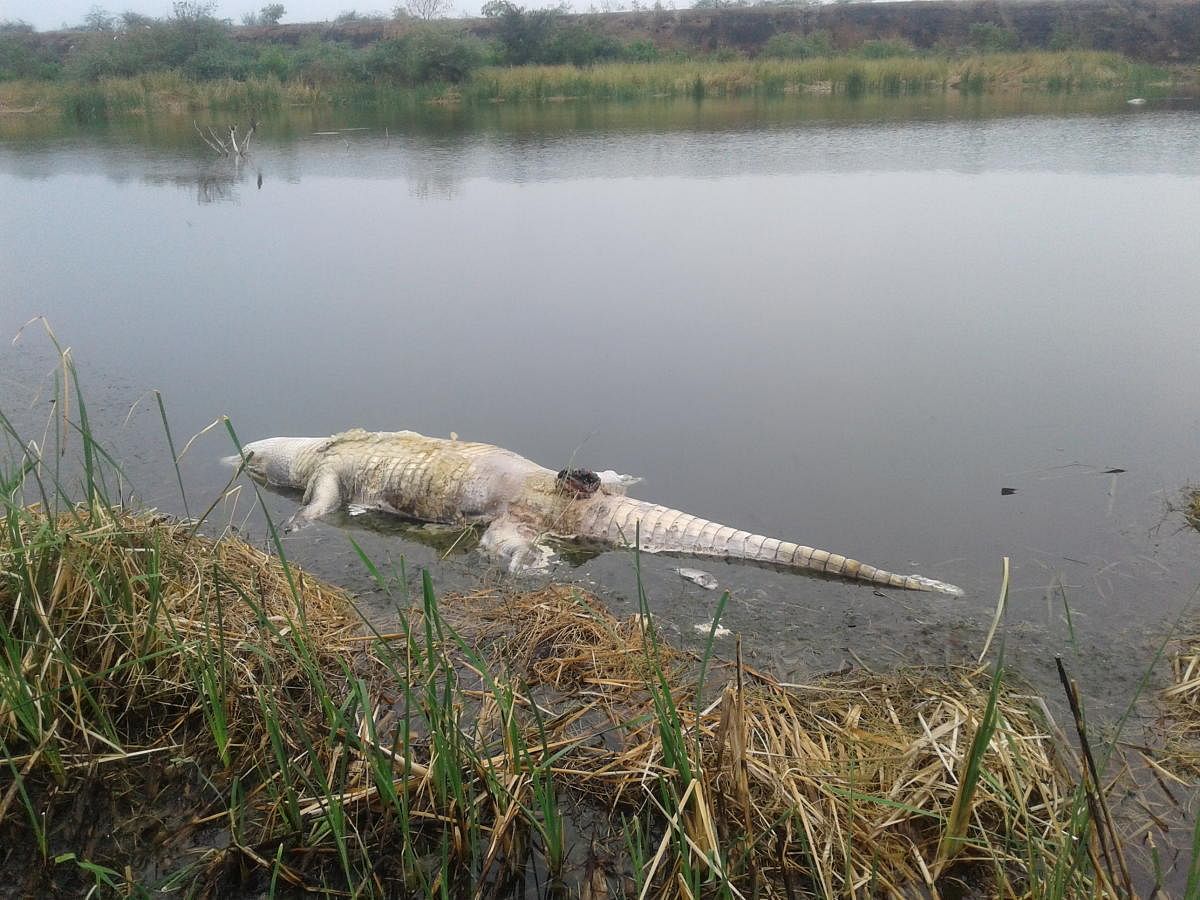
(49, 14)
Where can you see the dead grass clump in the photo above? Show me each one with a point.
(1182, 702)
(111, 611)
(565, 638)
(1191, 510)
(828, 786)
(157, 687)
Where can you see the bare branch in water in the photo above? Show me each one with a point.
(220, 143)
(216, 149)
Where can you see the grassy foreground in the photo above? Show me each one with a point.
(1042, 72)
(226, 724)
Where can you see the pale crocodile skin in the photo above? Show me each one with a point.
(458, 482)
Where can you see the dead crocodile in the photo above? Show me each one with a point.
(455, 482)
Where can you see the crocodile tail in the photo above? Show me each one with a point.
(666, 530)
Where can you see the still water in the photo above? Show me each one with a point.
(845, 326)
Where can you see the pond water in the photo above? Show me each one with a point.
(849, 325)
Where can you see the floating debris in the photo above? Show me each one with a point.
(1007, 492)
(707, 627)
(698, 576)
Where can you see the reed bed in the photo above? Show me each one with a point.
(227, 724)
(168, 92)
(993, 72)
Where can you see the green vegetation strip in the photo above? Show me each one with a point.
(191, 61)
(173, 92)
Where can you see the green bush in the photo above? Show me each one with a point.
(275, 60)
(201, 47)
(642, 51)
(23, 59)
(885, 49)
(523, 35)
(210, 63)
(987, 37)
(1063, 38)
(790, 45)
(320, 62)
(579, 45)
(430, 54)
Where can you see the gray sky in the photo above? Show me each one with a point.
(49, 14)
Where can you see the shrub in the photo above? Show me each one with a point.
(274, 60)
(790, 45)
(1063, 38)
(320, 62)
(523, 35)
(642, 51)
(210, 63)
(201, 47)
(21, 59)
(885, 49)
(987, 37)
(425, 55)
(580, 46)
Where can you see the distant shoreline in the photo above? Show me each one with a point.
(1042, 73)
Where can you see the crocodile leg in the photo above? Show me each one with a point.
(322, 496)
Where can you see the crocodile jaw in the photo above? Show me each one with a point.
(281, 461)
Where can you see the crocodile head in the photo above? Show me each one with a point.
(281, 461)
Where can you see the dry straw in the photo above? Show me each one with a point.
(1182, 697)
(1182, 702)
(836, 785)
